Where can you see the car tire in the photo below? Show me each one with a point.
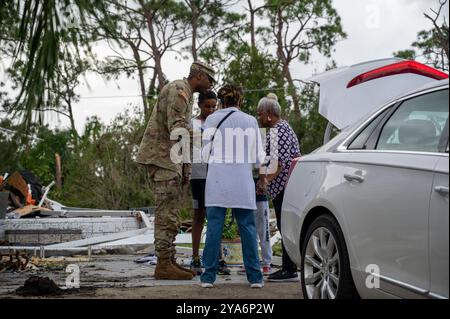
(325, 251)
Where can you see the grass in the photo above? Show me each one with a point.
(202, 246)
(277, 250)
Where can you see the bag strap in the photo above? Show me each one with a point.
(214, 135)
(218, 126)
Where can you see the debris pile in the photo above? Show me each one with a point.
(22, 262)
(25, 195)
(57, 263)
(39, 286)
(14, 261)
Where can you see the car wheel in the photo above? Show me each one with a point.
(325, 263)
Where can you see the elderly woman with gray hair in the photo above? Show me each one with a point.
(282, 147)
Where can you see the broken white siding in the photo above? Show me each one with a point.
(90, 227)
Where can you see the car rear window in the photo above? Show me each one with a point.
(417, 125)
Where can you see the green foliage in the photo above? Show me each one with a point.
(100, 172)
(9, 15)
(44, 25)
(406, 54)
(39, 156)
(210, 21)
(185, 213)
(277, 249)
(103, 172)
(40, 159)
(9, 146)
(430, 47)
(258, 73)
(319, 26)
(230, 229)
(213, 28)
(298, 28)
(311, 127)
(98, 166)
(434, 46)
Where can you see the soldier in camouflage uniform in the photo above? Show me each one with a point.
(173, 111)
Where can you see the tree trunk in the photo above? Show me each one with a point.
(156, 53)
(156, 57)
(252, 25)
(152, 91)
(58, 175)
(285, 64)
(72, 123)
(292, 91)
(137, 57)
(194, 24)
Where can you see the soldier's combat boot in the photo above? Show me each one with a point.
(165, 270)
(174, 262)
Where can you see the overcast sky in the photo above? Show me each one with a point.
(375, 29)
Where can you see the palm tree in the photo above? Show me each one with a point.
(37, 31)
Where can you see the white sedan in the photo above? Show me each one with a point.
(367, 214)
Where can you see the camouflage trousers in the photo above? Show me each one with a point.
(167, 191)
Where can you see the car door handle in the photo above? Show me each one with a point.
(441, 190)
(354, 178)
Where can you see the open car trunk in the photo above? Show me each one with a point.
(349, 93)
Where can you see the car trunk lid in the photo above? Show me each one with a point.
(349, 93)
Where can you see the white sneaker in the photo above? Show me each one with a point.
(257, 285)
(207, 285)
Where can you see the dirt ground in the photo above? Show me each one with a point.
(119, 277)
(221, 291)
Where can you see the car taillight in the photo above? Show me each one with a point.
(399, 68)
(291, 168)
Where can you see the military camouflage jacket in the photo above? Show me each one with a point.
(173, 110)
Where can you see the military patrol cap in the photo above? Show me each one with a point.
(209, 71)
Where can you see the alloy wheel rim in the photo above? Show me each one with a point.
(322, 265)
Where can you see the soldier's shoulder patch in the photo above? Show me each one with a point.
(183, 93)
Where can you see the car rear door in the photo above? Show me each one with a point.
(439, 228)
(386, 188)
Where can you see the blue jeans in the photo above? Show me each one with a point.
(246, 223)
(262, 227)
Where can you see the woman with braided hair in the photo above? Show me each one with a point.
(233, 145)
